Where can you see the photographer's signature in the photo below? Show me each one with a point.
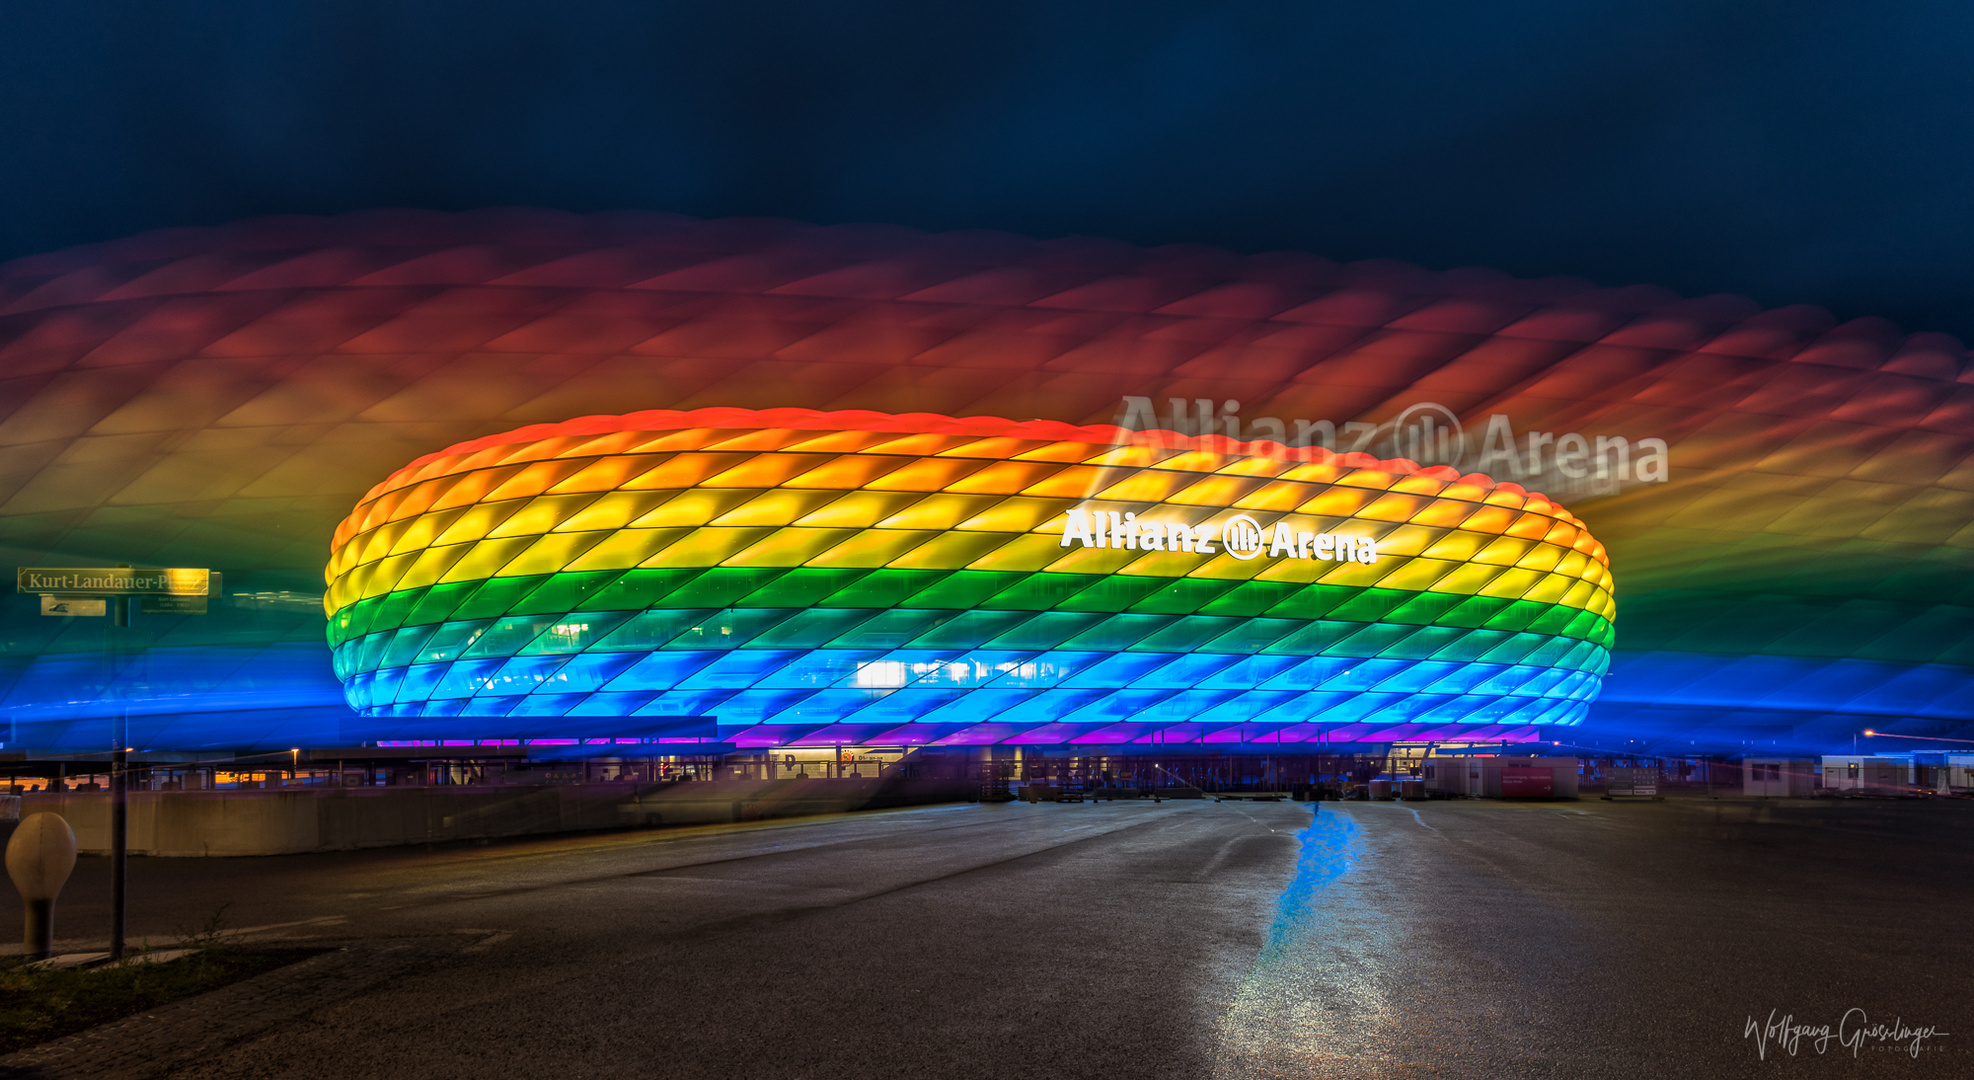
(1852, 1033)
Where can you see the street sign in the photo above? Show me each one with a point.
(74, 605)
(104, 590)
(112, 581)
(88, 590)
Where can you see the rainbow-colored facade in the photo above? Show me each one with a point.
(799, 577)
(1785, 499)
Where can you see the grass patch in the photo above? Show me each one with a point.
(39, 1006)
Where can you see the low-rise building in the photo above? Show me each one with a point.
(1778, 777)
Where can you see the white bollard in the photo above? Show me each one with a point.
(39, 859)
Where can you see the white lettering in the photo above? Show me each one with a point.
(1139, 415)
(1499, 445)
(1607, 443)
(1179, 421)
(1316, 432)
(1652, 465)
(1536, 441)
(1365, 432)
(1077, 527)
(1572, 450)
(1425, 432)
(1245, 537)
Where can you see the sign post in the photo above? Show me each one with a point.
(119, 789)
(99, 591)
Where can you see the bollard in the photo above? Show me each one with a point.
(39, 859)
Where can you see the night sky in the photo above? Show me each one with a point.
(1798, 152)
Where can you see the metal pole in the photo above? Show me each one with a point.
(119, 846)
(119, 807)
(38, 930)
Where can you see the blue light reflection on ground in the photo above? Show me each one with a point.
(1319, 999)
(1325, 856)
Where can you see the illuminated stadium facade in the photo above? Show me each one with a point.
(885, 450)
(855, 577)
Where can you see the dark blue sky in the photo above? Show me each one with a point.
(1805, 151)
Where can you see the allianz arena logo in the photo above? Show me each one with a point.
(1428, 434)
(1243, 536)
(1239, 535)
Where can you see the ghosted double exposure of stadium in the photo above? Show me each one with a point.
(752, 484)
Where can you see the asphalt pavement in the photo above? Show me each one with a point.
(1180, 939)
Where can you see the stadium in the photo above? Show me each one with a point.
(729, 485)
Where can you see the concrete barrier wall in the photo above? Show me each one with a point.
(291, 821)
